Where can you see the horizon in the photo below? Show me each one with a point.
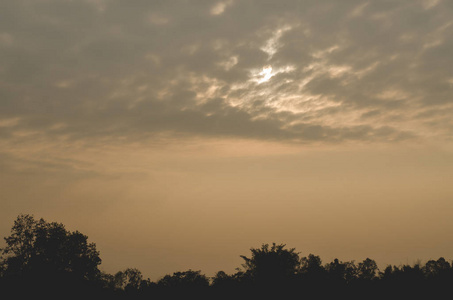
(242, 268)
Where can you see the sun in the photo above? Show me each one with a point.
(265, 74)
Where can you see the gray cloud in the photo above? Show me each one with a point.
(364, 71)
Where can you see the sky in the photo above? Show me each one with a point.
(179, 134)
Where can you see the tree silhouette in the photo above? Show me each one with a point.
(437, 268)
(311, 266)
(341, 272)
(367, 270)
(271, 265)
(42, 258)
(223, 281)
(20, 243)
(184, 280)
(38, 246)
(129, 279)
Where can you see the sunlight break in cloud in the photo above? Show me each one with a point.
(136, 71)
(219, 7)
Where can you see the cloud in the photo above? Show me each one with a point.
(336, 72)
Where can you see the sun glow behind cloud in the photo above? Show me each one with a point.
(264, 75)
(283, 63)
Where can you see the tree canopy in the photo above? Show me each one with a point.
(42, 256)
(39, 246)
(271, 263)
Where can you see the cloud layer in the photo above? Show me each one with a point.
(300, 71)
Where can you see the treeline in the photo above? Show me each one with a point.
(42, 258)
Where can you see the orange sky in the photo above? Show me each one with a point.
(178, 136)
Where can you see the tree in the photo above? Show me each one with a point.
(312, 266)
(224, 281)
(339, 271)
(128, 280)
(438, 268)
(184, 280)
(367, 269)
(20, 244)
(403, 276)
(273, 264)
(48, 248)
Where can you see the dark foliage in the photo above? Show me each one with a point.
(45, 259)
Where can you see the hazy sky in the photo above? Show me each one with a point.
(178, 134)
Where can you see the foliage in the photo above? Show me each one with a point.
(184, 280)
(37, 246)
(339, 271)
(311, 266)
(42, 257)
(271, 263)
(367, 270)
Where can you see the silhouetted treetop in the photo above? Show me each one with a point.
(339, 271)
(184, 280)
(45, 258)
(36, 245)
(367, 269)
(271, 263)
(435, 268)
